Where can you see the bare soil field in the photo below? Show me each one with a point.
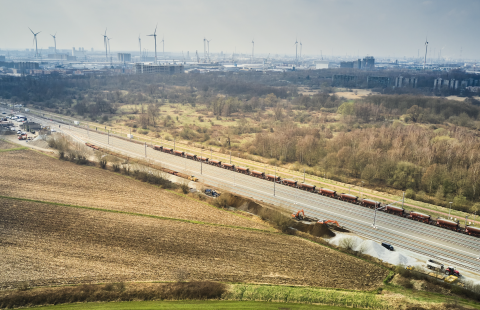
(27, 174)
(4, 145)
(45, 244)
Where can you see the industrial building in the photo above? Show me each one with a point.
(367, 63)
(124, 57)
(322, 64)
(440, 83)
(378, 81)
(405, 82)
(142, 68)
(62, 57)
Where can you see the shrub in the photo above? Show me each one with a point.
(103, 163)
(184, 187)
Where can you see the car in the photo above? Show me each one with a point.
(388, 246)
(4, 113)
(19, 131)
(53, 130)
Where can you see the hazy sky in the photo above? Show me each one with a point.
(374, 27)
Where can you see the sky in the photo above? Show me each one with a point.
(381, 28)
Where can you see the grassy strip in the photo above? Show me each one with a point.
(15, 149)
(288, 294)
(137, 214)
(209, 304)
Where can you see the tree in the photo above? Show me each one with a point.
(414, 113)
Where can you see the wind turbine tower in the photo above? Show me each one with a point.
(301, 45)
(253, 50)
(208, 49)
(426, 48)
(105, 43)
(154, 35)
(55, 41)
(296, 51)
(163, 48)
(35, 40)
(140, 44)
(204, 48)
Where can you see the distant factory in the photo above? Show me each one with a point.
(367, 63)
(142, 68)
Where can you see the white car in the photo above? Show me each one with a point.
(53, 130)
(19, 132)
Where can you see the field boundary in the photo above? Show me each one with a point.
(15, 149)
(139, 214)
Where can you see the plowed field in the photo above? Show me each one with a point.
(26, 174)
(48, 244)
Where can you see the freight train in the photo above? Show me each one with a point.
(399, 211)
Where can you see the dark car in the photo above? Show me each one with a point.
(388, 246)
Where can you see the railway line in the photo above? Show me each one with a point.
(431, 241)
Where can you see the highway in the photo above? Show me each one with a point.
(450, 247)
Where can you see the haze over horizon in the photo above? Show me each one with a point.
(375, 27)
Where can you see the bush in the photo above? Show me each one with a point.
(410, 193)
(113, 292)
(223, 201)
(103, 163)
(184, 187)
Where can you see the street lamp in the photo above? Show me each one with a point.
(275, 179)
(450, 209)
(375, 217)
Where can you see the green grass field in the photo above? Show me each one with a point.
(230, 305)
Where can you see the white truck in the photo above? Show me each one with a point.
(434, 265)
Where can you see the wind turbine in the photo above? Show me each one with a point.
(204, 48)
(154, 35)
(253, 49)
(55, 41)
(140, 44)
(163, 48)
(426, 48)
(109, 45)
(208, 44)
(296, 50)
(105, 43)
(35, 40)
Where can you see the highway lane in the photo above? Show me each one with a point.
(451, 247)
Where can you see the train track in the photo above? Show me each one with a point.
(431, 241)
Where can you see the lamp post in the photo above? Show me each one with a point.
(375, 217)
(275, 180)
(201, 162)
(450, 209)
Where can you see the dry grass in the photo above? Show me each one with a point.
(4, 145)
(25, 174)
(45, 244)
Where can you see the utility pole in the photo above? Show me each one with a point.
(403, 200)
(375, 217)
(230, 157)
(173, 143)
(201, 162)
(303, 175)
(275, 180)
(450, 209)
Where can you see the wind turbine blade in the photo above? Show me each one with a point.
(31, 30)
